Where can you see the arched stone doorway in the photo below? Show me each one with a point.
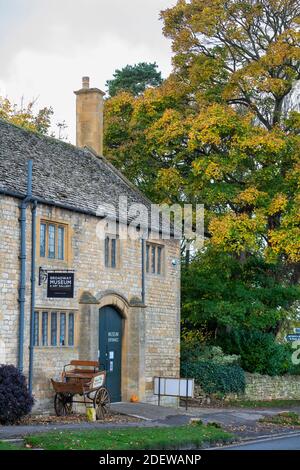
(133, 337)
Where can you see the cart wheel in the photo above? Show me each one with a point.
(63, 404)
(102, 403)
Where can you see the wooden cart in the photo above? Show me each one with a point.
(83, 379)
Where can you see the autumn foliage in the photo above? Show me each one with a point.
(24, 115)
(223, 130)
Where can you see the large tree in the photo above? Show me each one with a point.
(218, 292)
(134, 79)
(223, 130)
(241, 61)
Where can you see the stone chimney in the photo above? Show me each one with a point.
(89, 117)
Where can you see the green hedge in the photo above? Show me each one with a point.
(259, 352)
(216, 378)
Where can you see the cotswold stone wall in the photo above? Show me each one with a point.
(263, 387)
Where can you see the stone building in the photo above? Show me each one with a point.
(123, 304)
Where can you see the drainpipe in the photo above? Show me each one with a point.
(143, 270)
(22, 288)
(32, 300)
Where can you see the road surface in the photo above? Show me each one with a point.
(291, 442)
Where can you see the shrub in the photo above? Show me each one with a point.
(217, 355)
(259, 352)
(15, 399)
(192, 344)
(294, 369)
(216, 378)
(194, 348)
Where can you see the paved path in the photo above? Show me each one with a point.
(225, 416)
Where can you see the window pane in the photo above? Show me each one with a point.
(147, 258)
(159, 249)
(60, 242)
(36, 329)
(53, 329)
(106, 248)
(43, 240)
(51, 241)
(153, 259)
(113, 252)
(62, 329)
(45, 329)
(71, 329)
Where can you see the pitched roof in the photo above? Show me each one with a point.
(62, 173)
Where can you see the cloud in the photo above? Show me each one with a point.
(47, 45)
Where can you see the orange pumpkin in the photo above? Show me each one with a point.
(134, 399)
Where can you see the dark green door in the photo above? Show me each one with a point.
(110, 349)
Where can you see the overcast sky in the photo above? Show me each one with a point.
(46, 46)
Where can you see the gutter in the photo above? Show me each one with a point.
(8, 192)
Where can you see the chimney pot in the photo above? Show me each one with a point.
(85, 82)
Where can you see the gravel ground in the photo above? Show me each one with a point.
(73, 419)
(258, 429)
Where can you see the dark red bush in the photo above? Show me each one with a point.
(15, 399)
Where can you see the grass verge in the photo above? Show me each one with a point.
(131, 438)
(264, 403)
(7, 446)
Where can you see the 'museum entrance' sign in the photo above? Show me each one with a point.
(60, 285)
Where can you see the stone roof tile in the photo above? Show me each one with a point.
(62, 173)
